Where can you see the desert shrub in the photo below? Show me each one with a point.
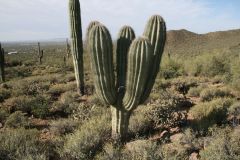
(183, 85)
(139, 124)
(3, 114)
(195, 91)
(40, 107)
(174, 151)
(234, 113)
(206, 114)
(21, 144)
(69, 97)
(21, 103)
(85, 141)
(63, 126)
(166, 111)
(111, 152)
(4, 94)
(171, 69)
(30, 86)
(143, 149)
(58, 89)
(216, 66)
(211, 93)
(16, 120)
(37, 106)
(223, 144)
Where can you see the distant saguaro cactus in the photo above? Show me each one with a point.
(2, 64)
(40, 53)
(68, 49)
(141, 58)
(77, 43)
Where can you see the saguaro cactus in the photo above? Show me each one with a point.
(68, 49)
(142, 59)
(77, 43)
(40, 53)
(2, 64)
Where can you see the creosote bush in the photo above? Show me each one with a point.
(21, 144)
(207, 114)
(86, 140)
(210, 93)
(16, 120)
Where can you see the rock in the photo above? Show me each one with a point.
(176, 137)
(194, 156)
(174, 130)
(1, 125)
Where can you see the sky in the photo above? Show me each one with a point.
(48, 19)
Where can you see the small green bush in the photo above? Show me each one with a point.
(3, 115)
(211, 93)
(89, 138)
(223, 144)
(206, 114)
(63, 126)
(166, 111)
(195, 91)
(16, 120)
(139, 123)
(4, 94)
(143, 149)
(171, 69)
(37, 106)
(21, 144)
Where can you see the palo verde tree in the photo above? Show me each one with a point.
(138, 63)
(77, 43)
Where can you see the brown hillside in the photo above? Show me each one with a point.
(186, 42)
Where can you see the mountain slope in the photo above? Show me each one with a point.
(186, 42)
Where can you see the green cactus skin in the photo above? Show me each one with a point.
(90, 26)
(77, 43)
(139, 59)
(143, 60)
(101, 49)
(2, 64)
(125, 38)
(155, 31)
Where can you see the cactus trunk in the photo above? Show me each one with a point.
(120, 122)
(77, 43)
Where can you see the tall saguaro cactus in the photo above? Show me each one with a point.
(77, 43)
(141, 60)
(2, 64)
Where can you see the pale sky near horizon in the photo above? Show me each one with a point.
(48, 19)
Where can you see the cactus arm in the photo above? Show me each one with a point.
(125, 38)
(90, 27)
(77, 43)
(155, 31)
(101, 49)
(139, 59)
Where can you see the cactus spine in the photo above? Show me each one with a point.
(40, 53)
(2, 64)
(77, 43)
(143, 62)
